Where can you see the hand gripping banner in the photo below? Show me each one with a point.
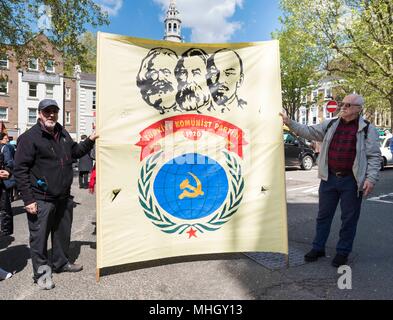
(190, 156)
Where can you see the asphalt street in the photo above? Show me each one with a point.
(220, 276)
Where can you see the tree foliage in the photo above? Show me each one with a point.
(89, 40)
(356, 37)
(69, 20)
(299, 64)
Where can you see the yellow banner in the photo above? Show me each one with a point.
(190, 156)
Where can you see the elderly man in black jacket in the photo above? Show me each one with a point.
(44, 174)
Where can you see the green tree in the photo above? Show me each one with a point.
(69, 19)
(356, 37)
(299, 62)
(89, 41)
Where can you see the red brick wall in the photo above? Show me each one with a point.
(10, 101)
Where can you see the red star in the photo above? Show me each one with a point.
(191, 233)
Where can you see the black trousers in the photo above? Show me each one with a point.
(54, 218)
(6, 215)
(83, 179)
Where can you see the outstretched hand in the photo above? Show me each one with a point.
(285, 118)
(93, 136)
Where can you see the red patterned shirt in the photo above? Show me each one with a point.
(342, 149)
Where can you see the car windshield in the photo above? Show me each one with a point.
(288, 138)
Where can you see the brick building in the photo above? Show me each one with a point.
(21, 89)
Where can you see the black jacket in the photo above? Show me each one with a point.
(43, 166)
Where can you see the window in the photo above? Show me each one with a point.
(328, 93)
(314, 115)
(170, 27)
(175, 27)
(314, 96)
(378, 119)
(3, 114)
(33, 90)
(50, 66)
(327, 114)
(94, 101)
(68, 117)
(68, 94)
(49, 90)
(303, 115)
(33, 64)
(3, 86)
(3, 61)
(32, 116)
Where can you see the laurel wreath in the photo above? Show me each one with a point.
(162, 221)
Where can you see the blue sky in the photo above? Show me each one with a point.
(203, 20)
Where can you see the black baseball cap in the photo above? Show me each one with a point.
(47, 103)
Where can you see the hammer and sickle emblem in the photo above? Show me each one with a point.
(195, 191)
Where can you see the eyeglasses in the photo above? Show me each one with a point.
(346, 105)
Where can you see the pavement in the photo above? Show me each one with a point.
(220, 276)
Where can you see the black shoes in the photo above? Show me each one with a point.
(5, 233)
(339, 260)
(70, 267)
(313, 255)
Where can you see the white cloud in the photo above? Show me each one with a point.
(111, 6)
(208, 20)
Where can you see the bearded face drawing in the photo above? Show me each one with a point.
(193, 93)
(156, 79)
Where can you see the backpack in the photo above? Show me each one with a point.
(365, 129)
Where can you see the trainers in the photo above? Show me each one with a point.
(70, 267)
(339, 260)
(313, 255)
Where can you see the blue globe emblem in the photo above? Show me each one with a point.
(191, 186)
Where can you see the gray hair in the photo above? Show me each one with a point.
(357, 99)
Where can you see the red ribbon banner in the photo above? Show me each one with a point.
(193, 127)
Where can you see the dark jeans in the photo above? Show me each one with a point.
(335, 189)
(83, 179)
(54, 218)
(6, 215)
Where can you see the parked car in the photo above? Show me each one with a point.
(387, 157)
(298, 152)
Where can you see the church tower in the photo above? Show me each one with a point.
(173, 24)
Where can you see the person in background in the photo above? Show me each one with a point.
(85, 164)
(7, 163)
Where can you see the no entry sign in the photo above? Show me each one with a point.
(331, 106)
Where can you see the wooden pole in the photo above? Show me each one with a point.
(98, 275)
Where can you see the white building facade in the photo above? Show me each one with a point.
(33, 86)
(86, 103)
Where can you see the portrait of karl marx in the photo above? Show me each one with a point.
(224, 77)
(156, 79)
(193, 93)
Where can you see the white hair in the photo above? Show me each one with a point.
(356, 99)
